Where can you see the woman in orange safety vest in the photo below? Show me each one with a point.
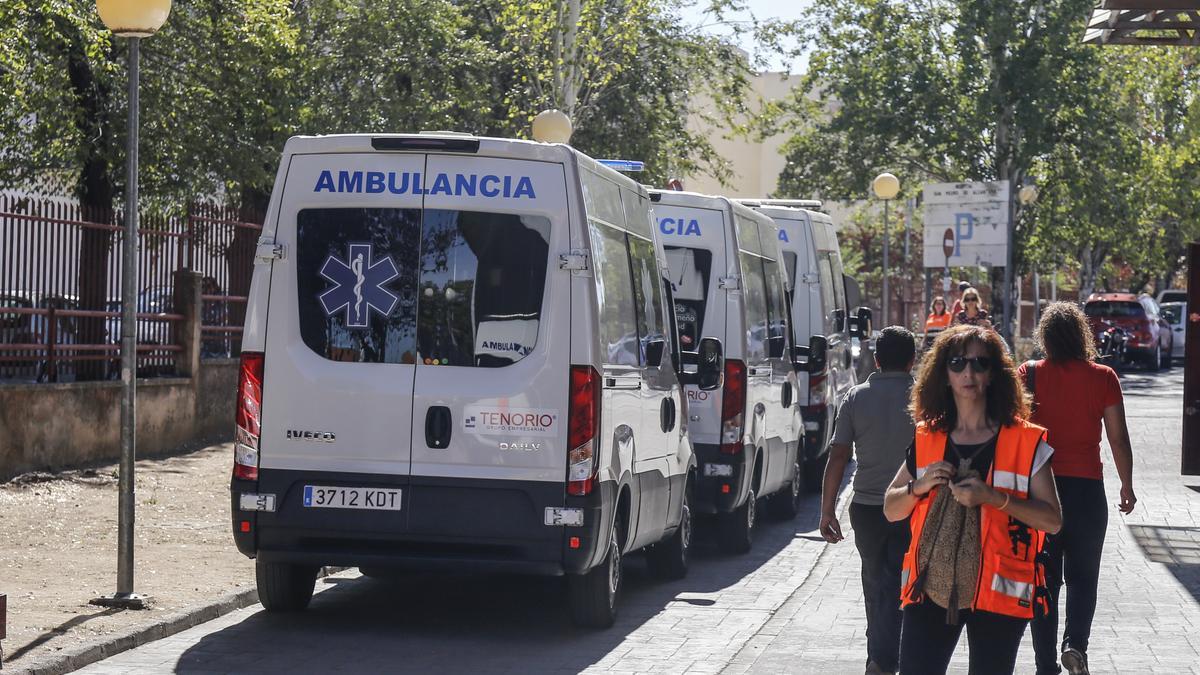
(937, 321)
(971, 439)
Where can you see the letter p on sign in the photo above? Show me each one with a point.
(964, 228)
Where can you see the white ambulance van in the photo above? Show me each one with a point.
(729, 292)
(820, 310)
(458, 356)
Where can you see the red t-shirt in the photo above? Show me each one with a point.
(1071, 398)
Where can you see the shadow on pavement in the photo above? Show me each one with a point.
(59, 630)
(422, 622)
(1177, 548)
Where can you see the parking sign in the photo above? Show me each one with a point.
(966, 224)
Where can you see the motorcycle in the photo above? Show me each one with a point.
(1113, 346)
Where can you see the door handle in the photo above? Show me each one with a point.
(438, 426)
(666, 414)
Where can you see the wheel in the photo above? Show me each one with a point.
(735, 530)
(814, 473)
(283, 587)
(1154, 358)
(668, 559)
(593, 595)
(1166, 361)
(785, 504)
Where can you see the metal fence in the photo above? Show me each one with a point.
(60, 287)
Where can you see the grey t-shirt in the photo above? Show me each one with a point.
(874, 420)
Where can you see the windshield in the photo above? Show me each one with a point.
(690, 270)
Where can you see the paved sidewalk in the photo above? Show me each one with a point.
(1148, 617)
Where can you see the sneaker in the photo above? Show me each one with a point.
(1075, 661)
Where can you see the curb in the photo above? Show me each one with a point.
(102, 648)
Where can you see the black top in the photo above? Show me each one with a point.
(980, 454)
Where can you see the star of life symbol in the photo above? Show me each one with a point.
(359, 285)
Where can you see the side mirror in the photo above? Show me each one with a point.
(818, 345)
(860, 324)
(655, 349)
(711, 364)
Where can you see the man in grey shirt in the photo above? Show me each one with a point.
(874, 424)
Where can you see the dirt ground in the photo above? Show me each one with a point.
(58, 543)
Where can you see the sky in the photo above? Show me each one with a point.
(693, 14)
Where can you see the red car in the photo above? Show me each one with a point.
(1150, 339)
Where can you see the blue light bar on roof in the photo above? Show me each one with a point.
(631, 165)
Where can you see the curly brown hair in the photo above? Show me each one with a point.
(1063, 334)
(932, 400)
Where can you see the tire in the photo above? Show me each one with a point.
(814, 473)
(785, 504)
(735, 530)
(1154, 358)
(1165, 360)
(593, 595)
(283, 587)
(668, 559)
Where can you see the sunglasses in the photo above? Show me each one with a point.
(971, 300)
(979, 364)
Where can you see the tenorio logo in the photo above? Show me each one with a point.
(487, 420)
(681, 226)
(697, 395)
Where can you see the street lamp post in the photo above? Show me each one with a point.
(886, 187)
(1026, 195)
(132, 19)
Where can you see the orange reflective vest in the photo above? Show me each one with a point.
(1009, 573)
(936, 322)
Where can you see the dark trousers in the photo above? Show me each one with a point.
(928, 642)
(1074, 553)
(881, 546)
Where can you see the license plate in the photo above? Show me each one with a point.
(377, 499)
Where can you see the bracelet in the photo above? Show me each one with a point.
(910, 484)
(1007, 497)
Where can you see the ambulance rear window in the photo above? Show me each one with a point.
(433, 287)
(690, 271)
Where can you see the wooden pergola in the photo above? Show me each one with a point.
(1145, 22)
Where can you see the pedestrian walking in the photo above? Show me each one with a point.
(1072, 397)
(958, 306)
(873, 423)
(978, 490)
(938, 320)
(973, 313)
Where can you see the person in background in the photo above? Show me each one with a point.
(978, 491)
(1073, 396)
(973, 313)
(873, 423)
(958, 307)
(937, 321)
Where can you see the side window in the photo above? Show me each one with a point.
(647, 293)
(828, 297)
(776, 307)
(618, 320)
(839, 283)
(755, 299)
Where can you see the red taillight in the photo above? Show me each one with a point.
(583, 425)
(249, 417)
(733, 407)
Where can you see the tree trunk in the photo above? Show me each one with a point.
(96, 191)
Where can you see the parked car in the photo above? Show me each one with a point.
(1175, 314)
(1172, 295)
(1150, 340)
(15, 328)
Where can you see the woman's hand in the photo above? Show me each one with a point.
(972, 492)
(938, 473)
(1128, 499)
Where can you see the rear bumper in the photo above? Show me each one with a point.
(443, 524)
(721, 493)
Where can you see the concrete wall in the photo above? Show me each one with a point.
(53, 426)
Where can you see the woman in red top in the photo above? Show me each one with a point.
(1073, 396)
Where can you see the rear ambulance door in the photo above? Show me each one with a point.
(761, 399)
(693, 241)
(341, 333)
(489, 429)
